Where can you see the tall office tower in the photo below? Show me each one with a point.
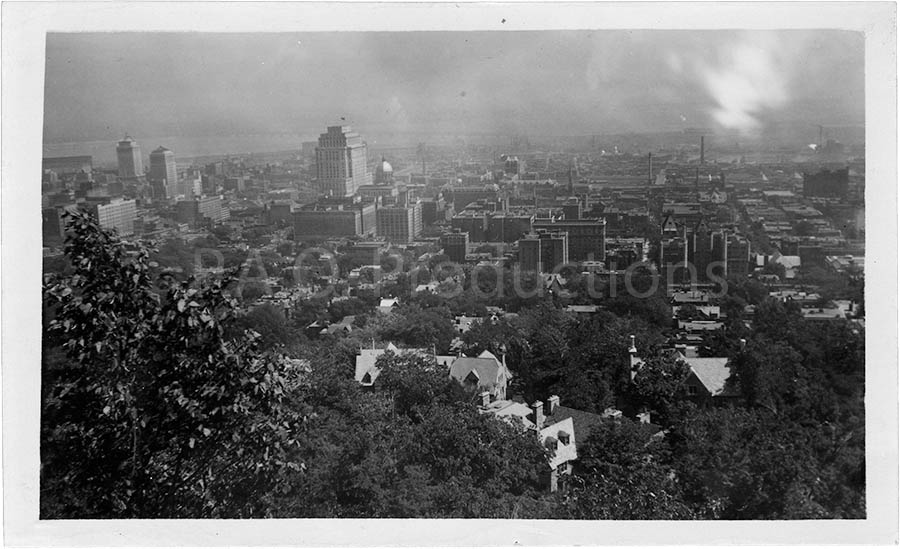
(129, 154)
(162, 166)
(543, 251)
(341, 162)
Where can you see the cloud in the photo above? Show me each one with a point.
(750, 78)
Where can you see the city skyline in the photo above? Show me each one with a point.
(459, 261)
(749, 83)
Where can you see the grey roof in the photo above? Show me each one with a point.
(487, 368)
(584, 422)
(712, 372)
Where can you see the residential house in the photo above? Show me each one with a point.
(556, 427)
(367, 372)
(708, 378)
(388, 305)
(484, 373)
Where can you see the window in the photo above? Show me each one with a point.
(692, 390)
(472, 378)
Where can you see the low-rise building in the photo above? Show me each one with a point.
(484, 373)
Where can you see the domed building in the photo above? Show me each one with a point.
(384, 173)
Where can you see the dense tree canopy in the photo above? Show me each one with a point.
(169, 418)
(170, 397)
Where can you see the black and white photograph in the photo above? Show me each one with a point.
(561, 267)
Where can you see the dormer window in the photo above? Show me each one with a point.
(472, 378)
(563, 437)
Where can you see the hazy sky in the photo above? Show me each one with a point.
(99, 86)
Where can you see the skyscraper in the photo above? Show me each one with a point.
(128, 153)
(163, 174)
(341, 162)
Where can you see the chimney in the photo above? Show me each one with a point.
(702, 148)
(743, 343)
(552, 404)
(537, 409)
(650, 168)
(485, 398)
(632, 350)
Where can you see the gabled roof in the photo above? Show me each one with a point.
(487, 368)
(517, 412)
(365, 361)
(712, 372)
(583, 422)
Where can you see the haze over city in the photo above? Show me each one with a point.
(774, 84)
(573, 275)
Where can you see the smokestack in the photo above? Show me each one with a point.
(650, 168)
(632, 349)
(702, 148)
(570, 180)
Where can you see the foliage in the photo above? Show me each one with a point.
(417, 327)
(168, 418)
(749, 464)
(620, 476)
(658, 386)
(171, 398)
(415, 382)
(268, 321)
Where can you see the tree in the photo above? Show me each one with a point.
(596, 369)
(349, 307)
(768, 374)
(269, 322)
(804, 228)
(155, 413)
(773, 268)
(739, 464)
(658, 386)
(415, 382)
(620, 476)
(420, 328)
(468, 452)
(496, 335)
(437, 259)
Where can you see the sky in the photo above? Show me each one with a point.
(103, 85)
